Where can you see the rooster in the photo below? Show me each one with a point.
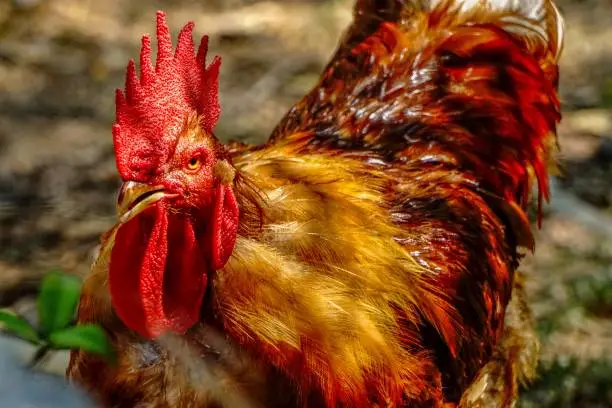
(366, 254)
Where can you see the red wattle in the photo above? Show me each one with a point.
(158, 267)
(157, 273)
(225, 226)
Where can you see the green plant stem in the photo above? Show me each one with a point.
(39, 356)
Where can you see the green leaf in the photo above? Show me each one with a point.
(18, 326)
(57, 301)
(86, 337)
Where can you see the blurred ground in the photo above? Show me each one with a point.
(60, 61)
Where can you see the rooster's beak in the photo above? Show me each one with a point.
(135, 197)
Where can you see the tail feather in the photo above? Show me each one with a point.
(538, 22)
(471, 82)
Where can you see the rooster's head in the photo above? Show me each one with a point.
(178, 215)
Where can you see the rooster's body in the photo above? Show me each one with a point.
(366, 254)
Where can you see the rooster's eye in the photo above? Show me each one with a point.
(194, 163)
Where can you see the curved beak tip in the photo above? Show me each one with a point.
(134, 198)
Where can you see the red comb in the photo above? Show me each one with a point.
(152, 111)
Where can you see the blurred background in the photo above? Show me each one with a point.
(60, 61)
